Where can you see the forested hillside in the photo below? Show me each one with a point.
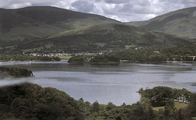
(32, 102)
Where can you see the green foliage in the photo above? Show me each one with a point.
(80, 59)
(32, 102)
(154, 55)
(14, 72)
(165, 95)
(29, 101)
(169, 108)
(160, 95)
(21, 57)
(157, 58)
(95, 107)
(185, 51)
(192, 106)
(143, 55)
(106, 58)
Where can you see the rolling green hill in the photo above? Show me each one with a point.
(50, 29)
(103, 38)
(181, 22)
(40, 22)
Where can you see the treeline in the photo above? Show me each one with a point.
(140, 56)
(181, 53)
(165, 96)
(21, 57)
(32, 102)
(80, 59)
(106, 58)
(143, 55)
(154, 55)
(189, 49)
(14, 72)
(160, 95)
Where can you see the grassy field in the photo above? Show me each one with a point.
(177, 105)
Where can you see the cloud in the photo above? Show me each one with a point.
(122, 10)
(116, 1)
(12, 4)
(20, 5)
(83, 6)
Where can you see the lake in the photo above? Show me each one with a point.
(109, 83)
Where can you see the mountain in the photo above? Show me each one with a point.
(181, 23)
(50, 29)
(39, 22)
(103, 38)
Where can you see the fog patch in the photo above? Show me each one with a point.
(14, 81)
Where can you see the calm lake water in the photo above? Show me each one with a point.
(117, 84)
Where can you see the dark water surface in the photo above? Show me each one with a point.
(107, 83)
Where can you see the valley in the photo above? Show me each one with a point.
(113, 70)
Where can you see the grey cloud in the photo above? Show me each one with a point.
(142, 8)
(139, 2)
(22, 3)
(83, 6)
(123, 10)
(190, 3)
(116, 1)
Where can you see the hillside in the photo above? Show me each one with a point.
(102, 38)
(181, 22)
(50, 29)
(41, 22)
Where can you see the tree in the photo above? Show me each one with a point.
(110, 106)
(147, 106)
(95, 107)
(157, 58)
(169, 108)
(158, 95)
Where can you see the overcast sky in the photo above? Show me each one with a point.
(122, 10)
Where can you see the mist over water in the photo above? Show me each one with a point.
(109, 83)
(14, 81)
(10, 80)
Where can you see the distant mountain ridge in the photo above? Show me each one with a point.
(50, 29)
(181, 23)
(43, 21)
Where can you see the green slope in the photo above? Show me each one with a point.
(53, 15)
(180, 22)
(39, 22)
(17, 27)
(104, 37)
(50, 29)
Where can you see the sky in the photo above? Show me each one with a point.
(121, 10)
